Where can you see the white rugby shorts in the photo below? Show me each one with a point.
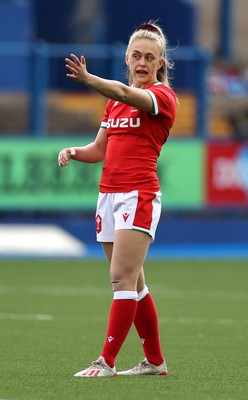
(136, 210)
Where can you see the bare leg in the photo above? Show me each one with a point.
(127, 256)
(129, 253)
(108, 249)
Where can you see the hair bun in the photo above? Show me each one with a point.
(148, 27)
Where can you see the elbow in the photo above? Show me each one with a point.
(101, 158)
(123, 94)
(124, 97)
(100, 154)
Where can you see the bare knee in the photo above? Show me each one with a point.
(123, 282)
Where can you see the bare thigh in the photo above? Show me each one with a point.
(108, 249)
(126, 256)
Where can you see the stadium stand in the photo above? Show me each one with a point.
(61, 99)
(38, 102)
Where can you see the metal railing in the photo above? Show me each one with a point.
(40, 53)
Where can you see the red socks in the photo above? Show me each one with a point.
(125, 310)
(146, 323)
(121, 317)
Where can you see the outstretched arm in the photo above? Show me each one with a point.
(111, 89)
(91, 153)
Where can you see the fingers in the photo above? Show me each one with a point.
(74, 61)
(65, 156)
(71, 66)
(74, 65)
(70, 62)
(63, 159)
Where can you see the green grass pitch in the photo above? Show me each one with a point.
(53, 316)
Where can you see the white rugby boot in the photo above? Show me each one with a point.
(146, 368)
(98, 368)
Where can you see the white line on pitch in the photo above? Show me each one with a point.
(26, 317)
(202, 321)
(104, 292)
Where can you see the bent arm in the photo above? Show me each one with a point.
(91, 153)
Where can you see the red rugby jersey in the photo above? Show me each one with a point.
(134, 141)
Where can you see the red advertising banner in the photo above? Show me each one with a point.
(227, 174)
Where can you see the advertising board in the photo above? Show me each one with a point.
(227, 174)
(30, 178)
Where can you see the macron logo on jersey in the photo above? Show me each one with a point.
(123, 123)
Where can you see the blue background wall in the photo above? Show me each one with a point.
(16, 25)
(54, 22)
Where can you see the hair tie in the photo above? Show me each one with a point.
(148, 27)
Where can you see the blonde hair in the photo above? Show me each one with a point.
(152, 31)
